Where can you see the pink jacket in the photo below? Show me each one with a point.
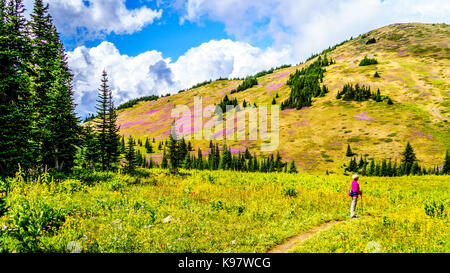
(355, 187)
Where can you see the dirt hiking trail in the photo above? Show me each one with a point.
(298, 239)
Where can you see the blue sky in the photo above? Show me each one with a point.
(160, 46)
(167, 35)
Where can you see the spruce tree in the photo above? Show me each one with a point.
(113, 137)
(409, 157)
(292, 168)
(361, 163)
(199, 159)
(56, 122)
(164, 161)
(446, 167)
(90, 146)
(108, 133)
(130, 156)
(226, 158)
(122, 145)
(16, 145)
(349, 152)
(148, 146)
(372, 168)
(173, 155)
(187, 162)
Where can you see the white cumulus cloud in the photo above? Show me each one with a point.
(309, 26)
(93, 18)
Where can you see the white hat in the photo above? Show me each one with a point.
(355, 176)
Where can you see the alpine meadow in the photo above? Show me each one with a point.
(261, 163)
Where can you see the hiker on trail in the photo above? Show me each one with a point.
(354, 193)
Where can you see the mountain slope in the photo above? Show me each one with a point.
(414, 68)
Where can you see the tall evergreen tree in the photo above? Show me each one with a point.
(16, 147)
(57, 124)
(164, 161)
(113, 137)
(89, 145)
(108, 133)
(446, 167)
(173, 155)
(409, 157)
(130, 156)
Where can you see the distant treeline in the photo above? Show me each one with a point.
(179, 155)
(305, 84)
(251, 81)
(133, 102)
(328, 50)
(408, 166)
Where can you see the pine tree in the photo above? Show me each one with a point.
(173, 155)
(16, 146)
(130, 156)
(415, 168)
(148, 146)
(164, 161)
(187, 162)
(446, 167)
(56, 122)
(226, 158)
(122, 145)
(108, 133)
(383, 171)
(90, 146)
(113, 138)
(372, 168)
(292, 168)
(361, 163)
(349, 152)
(353, 166)
(199, 159)
(409, 157)
(378, 96)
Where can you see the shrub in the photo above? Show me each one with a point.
(434, 209)
(32, 219)
(367, 61)
(71, 186)
(288, 191)
(116, 184)
(4, 188)
(91, 177)
(371, 41)
(217, 205)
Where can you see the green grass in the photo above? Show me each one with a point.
(217, 211)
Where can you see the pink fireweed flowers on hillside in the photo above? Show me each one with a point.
(152, 111)
(128, 124)
(273, 87)
(364, 116)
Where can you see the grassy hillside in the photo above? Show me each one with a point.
(414, 68)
